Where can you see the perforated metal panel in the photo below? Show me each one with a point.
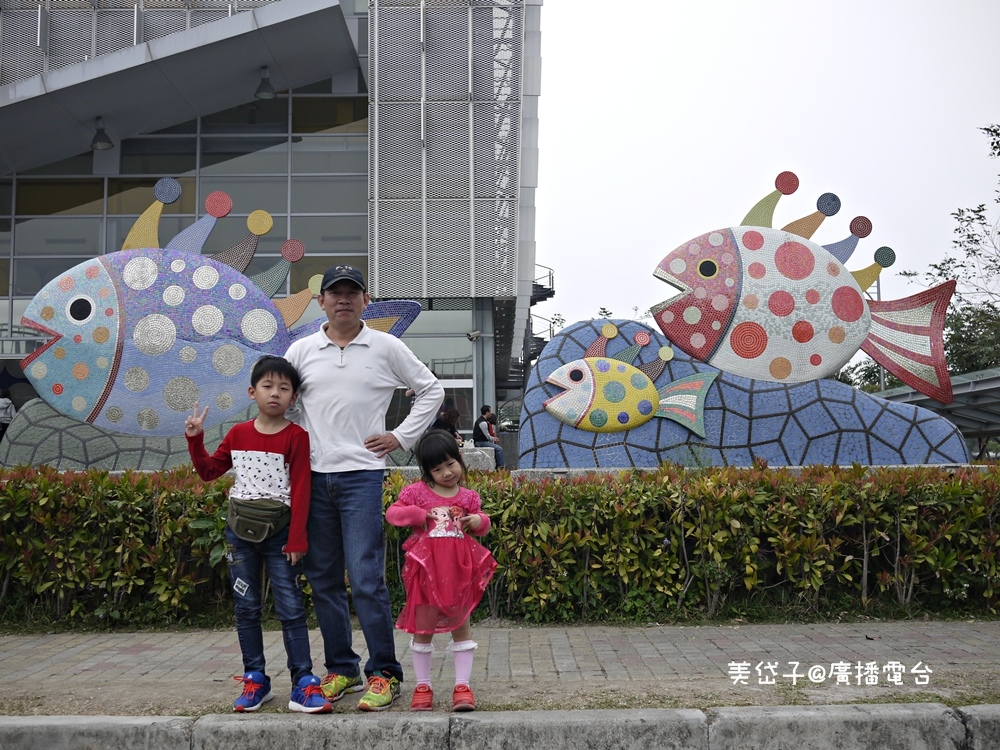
(159, 23)
(496, 148)
(201, 17)
(468, 242)
(448, 150)
(496, 54)
(496, 247)
(448, 55)
(20, 58)
(399, 234)
(71, 34)
(449, 237)
(400, 153)
(398, 53)
(115, 30)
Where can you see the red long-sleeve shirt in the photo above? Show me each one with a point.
(267, 466)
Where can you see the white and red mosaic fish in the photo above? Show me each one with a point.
(772, 305)
(140, 335)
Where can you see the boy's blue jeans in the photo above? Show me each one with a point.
(246, 562)
(345, 533)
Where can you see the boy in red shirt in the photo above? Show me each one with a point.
(268, 508)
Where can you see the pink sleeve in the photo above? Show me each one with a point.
(404, 512)
(475, 506)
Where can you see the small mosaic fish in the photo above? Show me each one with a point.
(609, 394)
(772, 305)
(138, 336)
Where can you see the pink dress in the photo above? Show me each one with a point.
(446, 571)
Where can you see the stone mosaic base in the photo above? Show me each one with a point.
(39, 435)
(817, 422)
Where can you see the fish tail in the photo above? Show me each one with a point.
(683, 401)
(907, 339)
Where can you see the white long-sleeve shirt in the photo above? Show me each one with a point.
(345, 394)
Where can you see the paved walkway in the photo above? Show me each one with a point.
(190, 673)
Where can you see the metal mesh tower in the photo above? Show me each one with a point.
(444, 130)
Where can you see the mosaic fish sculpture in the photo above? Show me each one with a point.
(770, 304)
(606, 393)
(785, 424)
(138, 336)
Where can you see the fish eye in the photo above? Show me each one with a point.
(80, 309)
(708, 269)
(576, 375)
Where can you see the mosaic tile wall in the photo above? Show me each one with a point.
(816, 422)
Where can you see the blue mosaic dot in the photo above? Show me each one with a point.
(167, 190)
(614, 391)
(621, 368)
(571, 415)
(828, 204)
(639, 380)
(645, 407)
(603, 365)
(623, 417)
(598, 417)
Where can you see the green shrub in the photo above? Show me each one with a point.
(135, 548)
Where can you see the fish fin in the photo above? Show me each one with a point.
(392, 316)
(192, 239)
(806, 226)
(238, 256)
(867, 276)
(146, 230)
(683, 401)
(271, 280)
(907, 339)
(653, 370)
(628, 354)
(291, 308)
(762, 214)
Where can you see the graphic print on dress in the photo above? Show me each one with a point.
(446, 521)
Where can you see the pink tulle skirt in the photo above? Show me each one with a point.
(445, 578)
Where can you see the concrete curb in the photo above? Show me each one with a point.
(919, 726)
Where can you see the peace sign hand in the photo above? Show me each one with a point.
(193, 425)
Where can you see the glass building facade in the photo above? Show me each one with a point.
(304, 157)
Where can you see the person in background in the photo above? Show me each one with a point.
(349, 375)
(448, 421)
(483, 435)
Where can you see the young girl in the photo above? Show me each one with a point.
(446, 570)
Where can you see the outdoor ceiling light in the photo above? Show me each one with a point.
(264, 89)
(101, 141)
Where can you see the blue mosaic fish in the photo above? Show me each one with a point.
(138, 336)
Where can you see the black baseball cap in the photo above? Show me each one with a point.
(341, 273)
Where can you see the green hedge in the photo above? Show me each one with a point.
(145, 548)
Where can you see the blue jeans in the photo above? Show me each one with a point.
(345, 535)
(246, 561)
(496, 449)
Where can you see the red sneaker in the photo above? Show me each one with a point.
(462, 699)
(423, 698)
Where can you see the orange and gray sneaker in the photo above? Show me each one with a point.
(382, 691)
(462, 699)
(423, 698)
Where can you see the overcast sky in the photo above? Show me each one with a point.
(661, 120)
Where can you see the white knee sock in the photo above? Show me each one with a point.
(421, 653)
(464, 651)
